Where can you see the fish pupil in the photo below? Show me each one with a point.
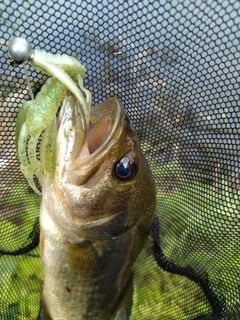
(124, 169)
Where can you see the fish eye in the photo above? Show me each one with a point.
(125, 170)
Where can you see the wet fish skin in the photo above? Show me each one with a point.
(94, 225)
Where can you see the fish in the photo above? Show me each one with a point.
(95, 215)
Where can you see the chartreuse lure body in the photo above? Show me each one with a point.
(37, 118)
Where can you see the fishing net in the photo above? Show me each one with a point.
(174, 65)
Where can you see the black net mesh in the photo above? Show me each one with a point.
(174, 65)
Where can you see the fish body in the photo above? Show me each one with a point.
(95, 215)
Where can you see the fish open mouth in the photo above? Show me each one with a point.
(104, 121)
(80, 143)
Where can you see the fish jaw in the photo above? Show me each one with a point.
(72, 132)
(94, 225)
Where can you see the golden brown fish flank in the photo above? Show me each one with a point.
(95, 216)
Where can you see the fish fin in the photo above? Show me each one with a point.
(124, 308)
(83, 259)
(41, 243)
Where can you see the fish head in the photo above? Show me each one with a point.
(103, 186)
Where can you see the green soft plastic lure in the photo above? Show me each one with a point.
(37, 117)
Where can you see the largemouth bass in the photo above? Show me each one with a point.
(95, 215)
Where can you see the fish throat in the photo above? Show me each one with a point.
(101, 129)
